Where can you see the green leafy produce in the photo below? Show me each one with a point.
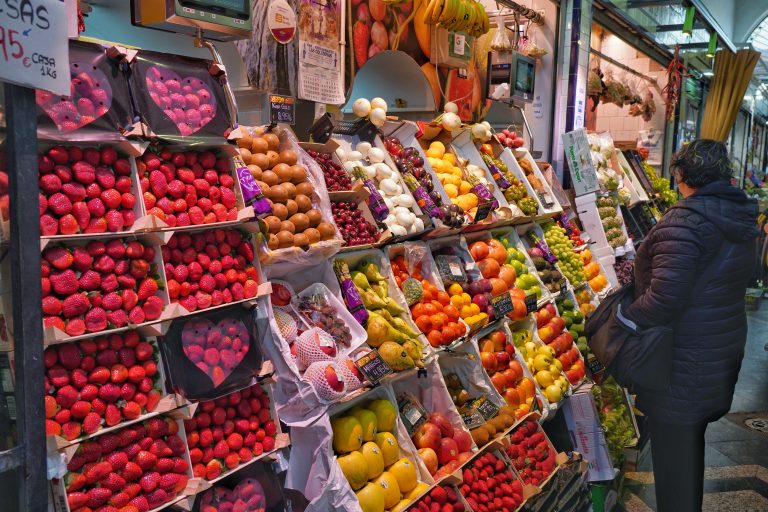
(615, 417)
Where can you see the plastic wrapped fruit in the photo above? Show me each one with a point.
(318, 312)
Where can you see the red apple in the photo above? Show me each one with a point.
(499, 381)
(551, 309)
(427, 436)
(488, 361)
(445, 426)
(448, 451)
(463, 439)
(543, 317)
(429, 457)
(502, 359)
(510, 349)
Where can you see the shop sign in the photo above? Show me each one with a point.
(281, 21)
(282, 109)
(34, 48)
(373, 367)
(579, 158)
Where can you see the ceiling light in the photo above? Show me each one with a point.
(690, 15)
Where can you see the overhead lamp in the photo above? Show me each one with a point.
(690, 15)
(712, 48)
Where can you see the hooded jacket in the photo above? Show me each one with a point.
(710, 327)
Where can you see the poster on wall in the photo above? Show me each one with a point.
(379, 26)
(320, 58)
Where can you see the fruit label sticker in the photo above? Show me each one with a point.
(459, 45)
(373, 367)
(281, 21)
(252, 195)
(281, 109)
(34, 49)
(530, 302)
(502, 304)
(411, 412)
(595, 366)
(486, 408)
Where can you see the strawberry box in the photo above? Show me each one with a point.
(98, 106)
(213, 353)
(211, 269)
(88, 190)
(78, 276)
(444, 495)
(532, 453)
(190, 189)
(98, 385)
(145, 465)
(179, 97)
(489, 483)
(230, 432)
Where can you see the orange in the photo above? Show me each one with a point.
(424, 323)
(430, 309)
(455, 289)
(417, 310)
(466, 298)
(435, 338)
(498, 286)
(448, 334)
(443, 298)
(443, 318)
(438, 306)
(474, 308)
(526, 387)
(427, 296)
(519, 310)
(457, 301)
(451, 311)
(437, 321)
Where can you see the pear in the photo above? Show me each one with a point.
(371, 301)
(393, 307)
(414, 352)
(360, 281)
(380, 331)
(402, 326)
(370, 270)
(381, 289)
(395, 356)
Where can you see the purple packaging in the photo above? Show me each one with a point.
(252, 195)
(421, 196)
(351, 296)
(375, 202)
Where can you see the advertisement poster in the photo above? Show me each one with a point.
(378, 26)
(320, 58)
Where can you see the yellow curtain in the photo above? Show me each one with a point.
(731, 77)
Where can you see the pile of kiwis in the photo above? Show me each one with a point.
(295, 222)
(494, 427)
(550, 276)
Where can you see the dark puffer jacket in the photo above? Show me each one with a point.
(710, 327)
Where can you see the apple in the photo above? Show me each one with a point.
(335, 381)
(543, 317)
(429, 457)
(464, 457)
(499, 381)
(499, 339)
(557, 324)
(448, 451)
(502, 359)
(427, 436)
(463, 439)
(512, 397)
(546, 334)
(488, 361)
(439, 420)
(510, 349)
(280, 295)
(354, 370)
(447, 469)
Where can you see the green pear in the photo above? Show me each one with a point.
(360, 281)
(393, 307)
(380, 331)
(371, 301)
(402, 326)
(414, 352)
(371, 271)
(395, 356)
(381, 289)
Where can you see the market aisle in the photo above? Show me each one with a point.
(736, 475)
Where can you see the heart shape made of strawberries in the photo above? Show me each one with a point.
(248, 495)
(90, 98)
(216, 349)
(188, 101)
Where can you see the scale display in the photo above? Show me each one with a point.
(220, 20)
(234, 8)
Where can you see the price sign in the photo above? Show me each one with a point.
(531, 302)
(282, 109)
(451, 269)
(485, 408)
(411, 412)
(373, 366)
(471, 417)
(483, 211)
(502, 304)
(34, 49)
(595, 366)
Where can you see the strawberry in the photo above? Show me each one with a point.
(98, 472)
(82, 214)
(64, 282)
(82, 261)
(153, 307)
(149, 481)
(99, 376)
(157, 498)
(77, 500)
(90, 280)
(96, 320)
(130, 299)
(93, 191)
(213, 469)
(120, 500)
(59, 257)
(113, 482)
(104, 177)
(112, 415)
(91, 423)
(115, 220)
(50, 184)
(136, 315)
(52, 428)
(145, 460)
(127, 200)
(48, 225)
(112, 301)
(158, 183)
(147, 288)
(66, 396)
(109, 392)
(157, 428)
(232, 461)
(153, 397)
(141, 503)
(98, 496)
(74, 482)
(139, 268)
(131, 410)
(127, 283)
(80, 409)
(131, 472)
(104, 264)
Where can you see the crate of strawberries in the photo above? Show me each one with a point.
(532, 453)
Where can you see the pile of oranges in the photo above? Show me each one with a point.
(497, 355)
(435, 315)
(469, 311)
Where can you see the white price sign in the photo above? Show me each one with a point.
(34, 48)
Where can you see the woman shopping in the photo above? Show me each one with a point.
(714, 220)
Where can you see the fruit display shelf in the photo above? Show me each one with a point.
(542, 191)
(146, 465)
(532, 453)
(406, 133)
(415, 272)
(551, 330)
(374, 452)
(187, 189)
(398, 341)
(96, 386)
(72, 268)
(354, 220)
(89, 190)
(509, 238)
(588, 210)
(223, 438)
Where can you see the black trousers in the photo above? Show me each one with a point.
(678, 465)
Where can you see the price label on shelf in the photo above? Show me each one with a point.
(502, 304)
(34, 48)
(282, 109)
(373, 367)
(471, 417)
(486, 408)
(531, 302)
(483, 211)
(563, 287)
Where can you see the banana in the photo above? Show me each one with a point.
(446, 17)
(427, 17)
(437, 10)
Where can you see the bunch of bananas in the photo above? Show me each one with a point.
(458, 16)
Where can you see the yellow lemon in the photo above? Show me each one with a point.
(455, 289)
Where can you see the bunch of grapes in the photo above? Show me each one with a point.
(562, 246)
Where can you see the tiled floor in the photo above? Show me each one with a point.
(736, 475)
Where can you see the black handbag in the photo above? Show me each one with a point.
(639, 359)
